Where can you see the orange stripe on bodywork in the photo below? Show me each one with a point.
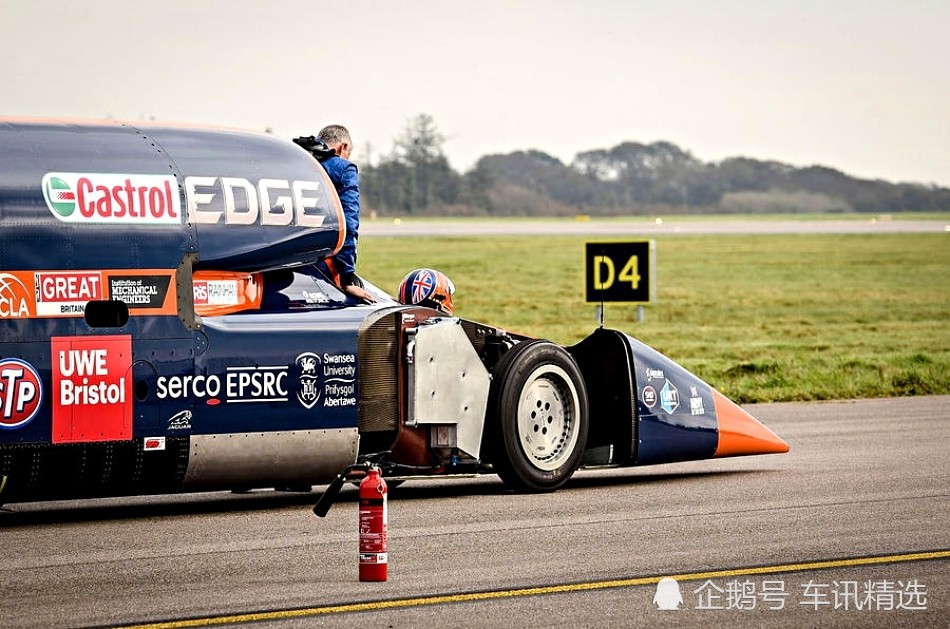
(337, 204)
(741, 433)
(240, 291)
(26, 297)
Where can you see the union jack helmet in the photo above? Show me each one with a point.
(429, 288)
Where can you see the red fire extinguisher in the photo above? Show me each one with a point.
(374, 560)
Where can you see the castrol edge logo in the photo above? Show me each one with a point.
(113, 198)
(237, 201)
(126, 199)
(123, 199)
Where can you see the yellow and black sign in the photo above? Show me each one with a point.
(620, 272)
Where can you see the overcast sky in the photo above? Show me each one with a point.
(859, 85)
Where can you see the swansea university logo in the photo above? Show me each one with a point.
(308, 366)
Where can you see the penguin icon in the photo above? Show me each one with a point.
(667, 594)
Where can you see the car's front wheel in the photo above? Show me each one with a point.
(537, 417)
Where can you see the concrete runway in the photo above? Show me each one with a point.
(865, 486)
(645, 227)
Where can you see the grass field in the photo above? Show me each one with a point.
(761, 318)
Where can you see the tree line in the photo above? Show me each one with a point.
(632, 178)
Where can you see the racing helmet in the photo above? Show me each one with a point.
(429, 288)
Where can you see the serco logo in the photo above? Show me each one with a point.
(21, 393)
(113, 198)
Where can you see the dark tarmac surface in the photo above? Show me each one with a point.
(864, 479)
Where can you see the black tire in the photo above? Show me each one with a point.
(537, 417)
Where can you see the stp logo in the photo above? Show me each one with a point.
(21, 393)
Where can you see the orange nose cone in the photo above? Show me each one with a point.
(741, 433)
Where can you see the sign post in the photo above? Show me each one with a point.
(620, 272)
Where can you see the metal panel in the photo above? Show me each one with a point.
(267, 458)
(450, 383)
(379, 367)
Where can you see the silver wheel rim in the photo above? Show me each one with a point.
(548, 417)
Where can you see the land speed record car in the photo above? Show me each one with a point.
(162, 329)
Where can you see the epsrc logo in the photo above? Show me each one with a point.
(21, 393)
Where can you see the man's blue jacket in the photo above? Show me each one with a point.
(345, 178)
